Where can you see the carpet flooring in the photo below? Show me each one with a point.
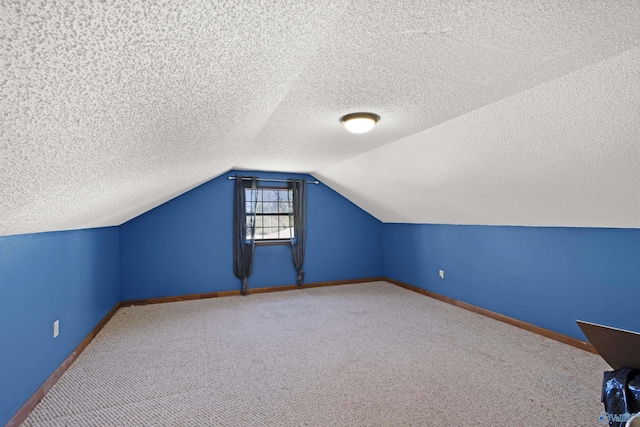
(369, 354)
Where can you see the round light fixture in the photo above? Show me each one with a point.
(359, 122)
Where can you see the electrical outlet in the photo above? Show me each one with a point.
(56, 328)
(441, 274)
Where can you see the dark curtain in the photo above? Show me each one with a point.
(244, 230)
(299, 187)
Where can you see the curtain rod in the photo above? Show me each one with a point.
(272, 180)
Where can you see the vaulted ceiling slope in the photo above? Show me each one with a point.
(566, 153)
(110, 108)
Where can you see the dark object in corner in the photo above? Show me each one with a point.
(618, 347)
(621, 387)
(621, 395)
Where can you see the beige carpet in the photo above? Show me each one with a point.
(371, 354)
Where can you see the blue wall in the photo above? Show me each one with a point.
(185, 245)
(72, 276)
(546, 276)
(542, 275)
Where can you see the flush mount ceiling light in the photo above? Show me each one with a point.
(359, 122)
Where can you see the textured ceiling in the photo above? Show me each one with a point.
(109, 108)
(565, 153)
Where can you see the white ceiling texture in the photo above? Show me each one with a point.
(492, 112)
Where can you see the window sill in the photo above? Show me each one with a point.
(272, 242)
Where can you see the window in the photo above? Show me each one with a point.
(274, 213)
